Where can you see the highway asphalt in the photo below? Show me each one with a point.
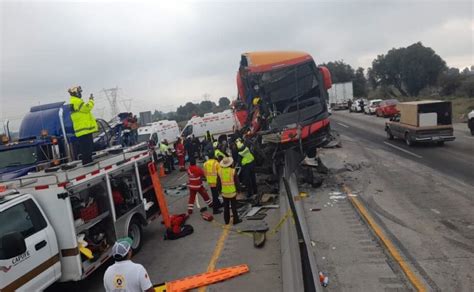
(455, 159)
(422, 196)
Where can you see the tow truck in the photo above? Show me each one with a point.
(60, 224)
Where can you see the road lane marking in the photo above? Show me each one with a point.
(403, 150)
(217, 252)
(409, 273)
(345, 126)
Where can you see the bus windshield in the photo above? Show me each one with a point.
(18, 157)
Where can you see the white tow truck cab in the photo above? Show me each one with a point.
(216, 123)
(61, 225)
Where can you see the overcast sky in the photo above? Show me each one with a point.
(163, 55)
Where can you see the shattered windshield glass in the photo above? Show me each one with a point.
(283, 86)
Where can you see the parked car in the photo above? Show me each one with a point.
(357, 105)
(387, 108)
(470, 121)
(372, 106)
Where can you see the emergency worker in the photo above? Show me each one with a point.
(218, 153)
(165, 151)
(126, 275)
(83, 122)
(195, 176)
(181, 153)
(211, 166)
(247, 162)
(229, 179)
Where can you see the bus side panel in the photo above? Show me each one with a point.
(59, 213)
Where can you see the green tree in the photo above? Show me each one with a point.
(408, 69)
(206, 106)
(340, 71)
(224, 102)
(449, 81)
(360, 83)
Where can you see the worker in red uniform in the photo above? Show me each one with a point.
(195, 176)
(180, 152)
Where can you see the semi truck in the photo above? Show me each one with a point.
(291, 110)
(340, 94)
(427, 121)
(61, 225)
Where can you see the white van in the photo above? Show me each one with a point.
(216, 123)
(158, 131)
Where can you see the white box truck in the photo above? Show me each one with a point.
(60, 225)
(340, 94)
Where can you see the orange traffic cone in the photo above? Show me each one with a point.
(162, 171)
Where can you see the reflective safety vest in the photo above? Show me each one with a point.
(247, 156)
(163, 148)
(227, 181)
(194, 182)
(210, 170)
(219, 154)
(82, 119)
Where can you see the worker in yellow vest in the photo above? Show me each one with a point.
(247, 162)
(83, 122)
(229, 180)
(218, 153)
(211, 167)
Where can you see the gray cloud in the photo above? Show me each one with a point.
(163, 55)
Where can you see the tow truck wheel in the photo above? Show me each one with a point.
(389, 134)
(135, 232)
(408, 139)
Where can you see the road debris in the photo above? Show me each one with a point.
(315, 209)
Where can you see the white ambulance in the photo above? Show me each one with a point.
(158, 131)
(216, 123)
(60, 225)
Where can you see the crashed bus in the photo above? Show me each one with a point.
(284, 99)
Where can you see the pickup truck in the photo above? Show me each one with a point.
(427, 121)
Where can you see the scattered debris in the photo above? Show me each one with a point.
(315, 209)
(268, 198)
(259, 239)
(337, 197)
(313, 243)
(252, 226)
(259, 216)
(207, 216)
(271, 206)
(333, 248)
(378, 190)
(253, 211)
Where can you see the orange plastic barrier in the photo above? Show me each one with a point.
(160, 196)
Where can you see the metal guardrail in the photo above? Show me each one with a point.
(299, 270)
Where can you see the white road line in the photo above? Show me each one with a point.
(403, 150)
(345, 126)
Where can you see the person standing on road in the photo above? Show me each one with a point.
(83, 122)
(218, 153)
(195, 176)
(229, 179)
(211, 166)
(126, 275)
(247, 163)
(180, 153)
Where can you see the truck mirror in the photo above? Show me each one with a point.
(13, 245)
(327, 81)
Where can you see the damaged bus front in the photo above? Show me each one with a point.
(285, 96)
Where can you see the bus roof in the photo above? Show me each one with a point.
(266, 60)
